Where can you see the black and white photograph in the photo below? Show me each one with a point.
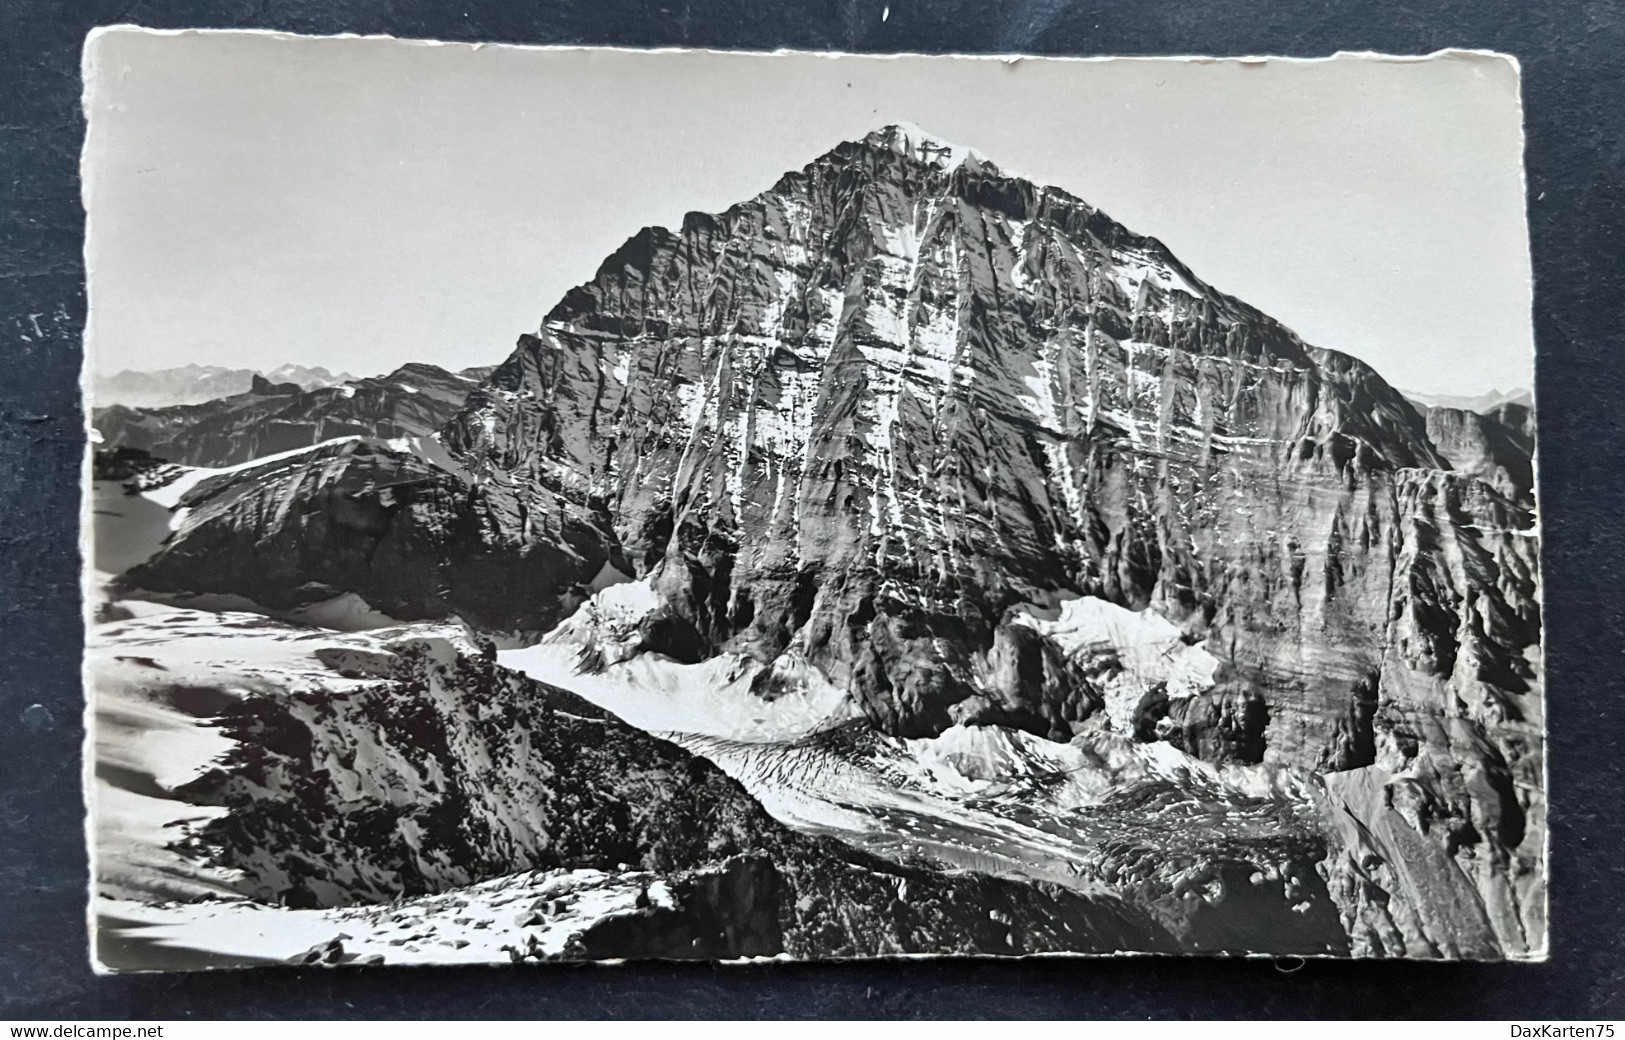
(552, 504)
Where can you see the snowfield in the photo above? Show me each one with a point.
(533, 915)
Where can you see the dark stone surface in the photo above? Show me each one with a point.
(402, 533)
(1573, 55)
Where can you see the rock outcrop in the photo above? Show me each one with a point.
(1497, 448)
(901, 393)
(411, 538)
(885, 405)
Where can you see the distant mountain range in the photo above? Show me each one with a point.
(269, 417)
(1478, 403)
(194, 384)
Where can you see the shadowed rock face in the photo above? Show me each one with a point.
(1519, 419)
(411, 538)
(1496, 447)
(413, 401)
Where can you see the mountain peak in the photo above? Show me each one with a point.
(911, 141)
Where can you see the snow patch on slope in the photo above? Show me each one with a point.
(1147, 648)
(162, 676)
(534, 914)
(596, 654)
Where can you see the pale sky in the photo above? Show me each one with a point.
(358, 204)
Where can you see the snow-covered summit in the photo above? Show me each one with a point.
(911, 141)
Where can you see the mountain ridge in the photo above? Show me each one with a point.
(196, 384)
(271, 416)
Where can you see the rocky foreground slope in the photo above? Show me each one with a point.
(887, 419)
(311, 771)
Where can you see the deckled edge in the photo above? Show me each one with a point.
(1542, 953)
(87, 766)
(86, 503)
(1009, 58)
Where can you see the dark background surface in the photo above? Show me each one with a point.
(1573, 55)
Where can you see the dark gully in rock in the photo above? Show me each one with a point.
(907, 560)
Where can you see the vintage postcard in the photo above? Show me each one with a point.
(554, 504)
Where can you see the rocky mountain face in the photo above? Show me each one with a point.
(881, 410)
(892, 417)
(195, 384)
(1519, 419)
(413, 539)
(269, 417)
(1496, 447)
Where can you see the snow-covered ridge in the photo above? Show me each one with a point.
(474, 925)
